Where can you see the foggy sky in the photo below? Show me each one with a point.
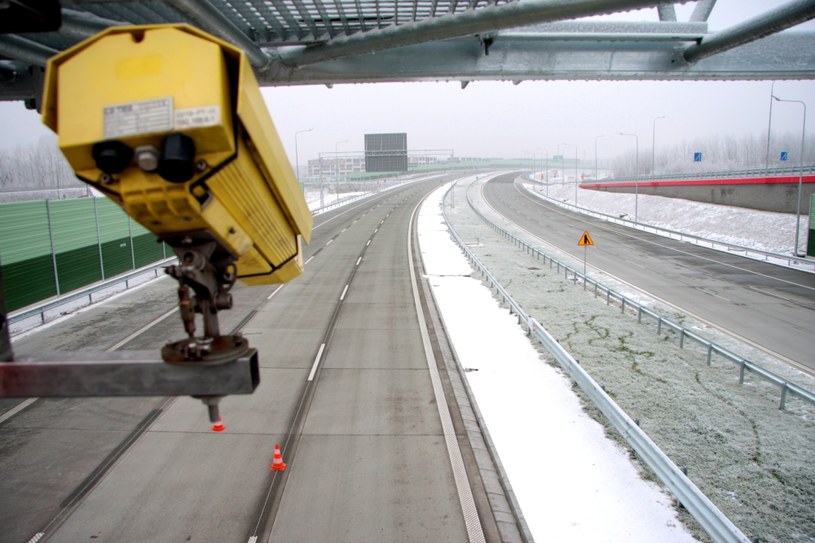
(499, 119)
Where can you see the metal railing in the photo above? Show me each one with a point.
(39, 314)
(785, 171)
(790, 261)
(611, 296)
(712, 520)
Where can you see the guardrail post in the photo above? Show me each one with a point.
(53, 247)
(783, 405)
(682, 338)
(741, 372)
(659, 326)
(99, 238)
(709, 353)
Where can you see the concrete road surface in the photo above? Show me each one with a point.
(374, 440)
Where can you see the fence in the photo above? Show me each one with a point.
(712, 520)
(48, 248)
(786, 387)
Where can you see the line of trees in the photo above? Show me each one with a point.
(42, 165)
(721, 153)
(37, 166)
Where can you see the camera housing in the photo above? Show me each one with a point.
(169, 123)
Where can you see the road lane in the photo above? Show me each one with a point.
(370, 461)
(768, 306)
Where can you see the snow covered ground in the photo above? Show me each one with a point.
(739, 448)
(763, 230)
(572, 482)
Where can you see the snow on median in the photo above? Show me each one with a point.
(572, 482)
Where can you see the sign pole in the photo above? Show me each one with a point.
(585, 249)
(585, 241)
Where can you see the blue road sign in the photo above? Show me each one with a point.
(697, 157)
(784, 155)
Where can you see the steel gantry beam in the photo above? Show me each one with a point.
(350, 41)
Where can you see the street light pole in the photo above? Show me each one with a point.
(769, 127)
(800, 174)
(575, 170)
(595, 154)
(297, 156)
(654, 144)
(545, 164)
(636, 176)
(337, 168)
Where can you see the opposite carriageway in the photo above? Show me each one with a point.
(360, 424)
(765, 305)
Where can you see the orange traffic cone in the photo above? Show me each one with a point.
(218, 426)
(277, 460)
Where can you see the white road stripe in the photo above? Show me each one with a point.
(316, 363)
(275, 292)
(329, 242)
(140, 330)
(16, 409)
(358, 261)
(309, 260)
(465, 493)
(369, 242)
(344, 291)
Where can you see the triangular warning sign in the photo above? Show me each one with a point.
(585, 239)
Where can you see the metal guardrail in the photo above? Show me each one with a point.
(790, 261)
(753, 172)
(340, 203)
(712, 520)
(51, 309)
(786, 387)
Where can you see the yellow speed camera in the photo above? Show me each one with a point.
(169, 123)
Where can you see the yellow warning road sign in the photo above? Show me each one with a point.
(585, 239)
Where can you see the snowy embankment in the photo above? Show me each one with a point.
(762, 230)
(572, 482)
(740, 450)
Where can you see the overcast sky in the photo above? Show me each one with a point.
(504, 120)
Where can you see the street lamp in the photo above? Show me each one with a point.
(595, 154)
(575, 170)
(545, 167)
(636, 175)
(801, 173)
(297, 156)
(337, 168)
(769, 127)
(654, 144)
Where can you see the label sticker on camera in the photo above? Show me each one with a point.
(197, 117)
(133, 118)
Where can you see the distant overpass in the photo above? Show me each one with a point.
(761, 191)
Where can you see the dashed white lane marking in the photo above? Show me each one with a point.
(275, 292)
(316, 363)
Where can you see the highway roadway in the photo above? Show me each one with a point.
(354, 386)
(768, 306)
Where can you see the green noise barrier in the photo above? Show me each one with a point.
(51, 247)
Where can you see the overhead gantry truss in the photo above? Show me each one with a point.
(351, 41)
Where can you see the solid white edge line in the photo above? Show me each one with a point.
(140, 330)
(465, 494)
(16, 409)
(316, 363)
(344, 291)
